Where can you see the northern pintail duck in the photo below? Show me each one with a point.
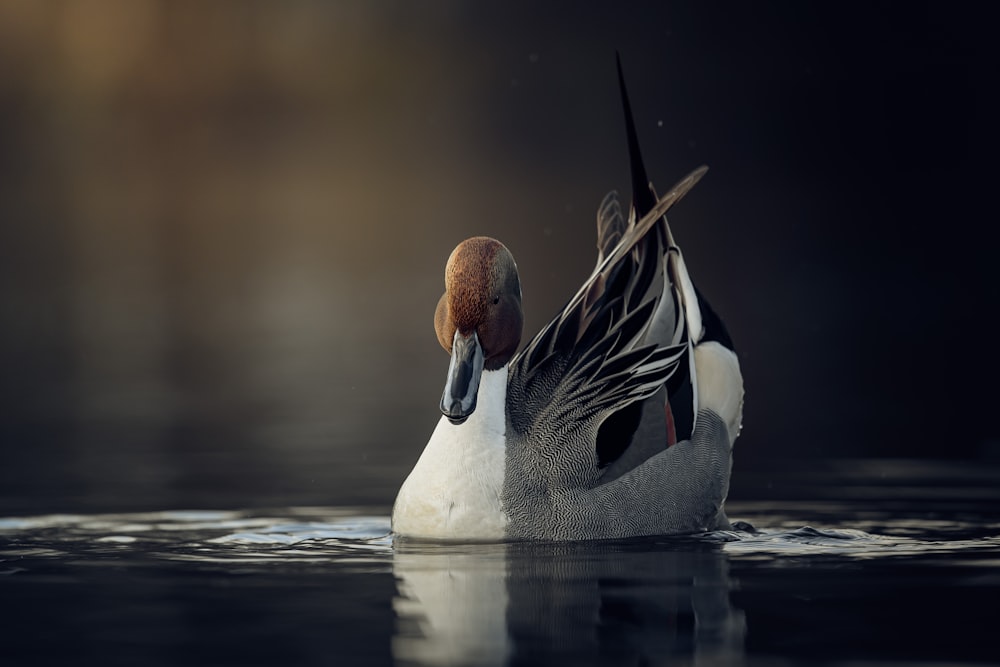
(616, 420)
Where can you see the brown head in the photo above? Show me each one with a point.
(478, 319)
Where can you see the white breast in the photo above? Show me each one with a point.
(453, 492)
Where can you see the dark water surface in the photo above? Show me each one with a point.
(911, 577)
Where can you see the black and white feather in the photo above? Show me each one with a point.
(595, 356)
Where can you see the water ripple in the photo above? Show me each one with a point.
(906, 538)
(293, 535)
(349, 536)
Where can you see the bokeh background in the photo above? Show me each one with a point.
(223, 226)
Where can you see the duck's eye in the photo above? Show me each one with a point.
(496, 300)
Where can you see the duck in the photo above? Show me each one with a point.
(617, 420)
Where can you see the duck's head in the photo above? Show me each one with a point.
(478, 319)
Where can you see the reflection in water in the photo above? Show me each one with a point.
(451, 606)
(638, 602)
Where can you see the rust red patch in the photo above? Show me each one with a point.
(671, 430)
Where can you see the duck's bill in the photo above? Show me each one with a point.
(464, 373)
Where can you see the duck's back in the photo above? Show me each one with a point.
(587, 443)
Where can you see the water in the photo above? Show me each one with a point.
(826, 582)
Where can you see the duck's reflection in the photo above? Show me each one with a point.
(645, 603)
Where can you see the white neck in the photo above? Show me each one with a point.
(454, 490)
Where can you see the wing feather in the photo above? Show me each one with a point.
(592, 357)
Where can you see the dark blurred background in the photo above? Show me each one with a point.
(223, 226)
